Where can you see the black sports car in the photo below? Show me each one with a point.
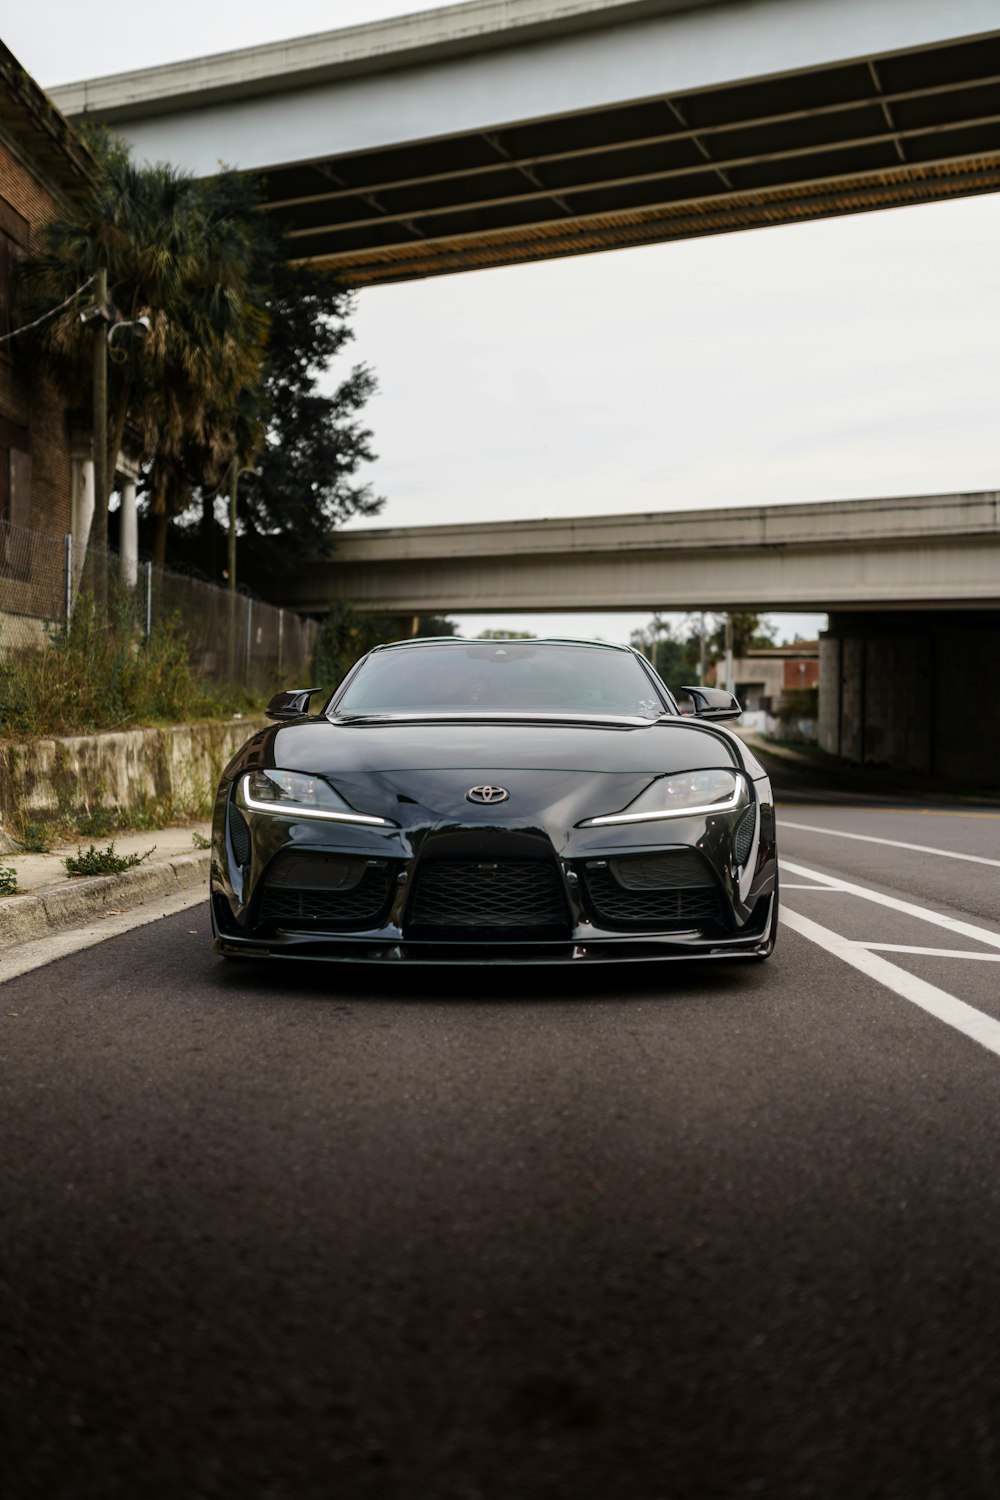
(490, 801)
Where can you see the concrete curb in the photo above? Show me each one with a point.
(76, 901)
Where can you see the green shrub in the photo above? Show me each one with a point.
(8, 881)
(102, 673)
(99, 823)
(94, 861)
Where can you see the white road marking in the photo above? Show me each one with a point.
(936, 919)
(986, 958)
(791, 885)
(45, 950)
(869, 838)
(896, 812)
(953, 1012)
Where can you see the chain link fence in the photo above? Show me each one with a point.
(232, 640)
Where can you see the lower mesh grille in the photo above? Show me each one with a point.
(677, 869)
(476, 895)
(616, 906)
(743, 837)
(364, 905)
(239, 834)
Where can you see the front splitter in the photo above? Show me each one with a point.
(491, 955)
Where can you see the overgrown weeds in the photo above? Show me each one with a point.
(35, 839)
(94, 861)
(99, 823)
(102, 673)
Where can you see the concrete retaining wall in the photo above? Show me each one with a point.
(59, 780)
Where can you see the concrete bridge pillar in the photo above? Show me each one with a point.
(912, 691)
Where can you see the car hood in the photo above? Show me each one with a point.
(418, 774)
(330, 749)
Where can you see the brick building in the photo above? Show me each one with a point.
(43, 168)
(767, 673)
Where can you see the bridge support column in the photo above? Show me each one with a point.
(912, 691)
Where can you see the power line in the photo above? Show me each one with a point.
(50, 314)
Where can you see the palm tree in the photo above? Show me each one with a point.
(188, 256)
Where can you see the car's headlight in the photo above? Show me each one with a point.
(681, 796)
(277, 791)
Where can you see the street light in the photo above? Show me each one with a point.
(138, 328)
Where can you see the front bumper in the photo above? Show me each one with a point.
(743, 924)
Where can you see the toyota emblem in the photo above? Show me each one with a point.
(487, 794)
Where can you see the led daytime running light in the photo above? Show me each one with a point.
(654, 814)
(288, 808)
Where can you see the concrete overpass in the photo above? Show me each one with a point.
(500, 131)
(912, 587)
(935, 552)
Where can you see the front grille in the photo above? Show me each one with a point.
(362, 905)
(488, 895)
(669, 905)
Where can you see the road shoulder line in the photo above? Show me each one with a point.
(936, 1002)
(869, 838)
(934, 918)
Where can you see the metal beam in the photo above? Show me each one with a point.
(815, 197)
(541, 159)
(720, 168)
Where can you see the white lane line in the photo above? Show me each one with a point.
(869, 838)
(791, 885)
(936, 919)
(953, 1012)
(985, 958)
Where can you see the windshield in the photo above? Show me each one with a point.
(502, 677)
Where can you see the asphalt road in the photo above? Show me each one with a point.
(689, 1232)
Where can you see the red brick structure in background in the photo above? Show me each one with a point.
(43, 168)
(767, 673)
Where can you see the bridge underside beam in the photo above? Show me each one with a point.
(873, 133)
(468, 143)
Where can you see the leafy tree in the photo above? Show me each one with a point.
(186, 255)
(347, 633)
(674, 652)
(506, 635)
(316, 442)
(749, 630)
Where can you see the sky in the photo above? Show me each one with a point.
(848, 358)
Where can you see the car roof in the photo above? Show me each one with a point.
(500, 640)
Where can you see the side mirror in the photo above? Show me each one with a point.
(713, 703)
(291, 704)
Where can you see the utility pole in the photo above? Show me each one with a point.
(701, 651)
(234, 483)
(234, 480)
(99, 527)
(730, 685)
